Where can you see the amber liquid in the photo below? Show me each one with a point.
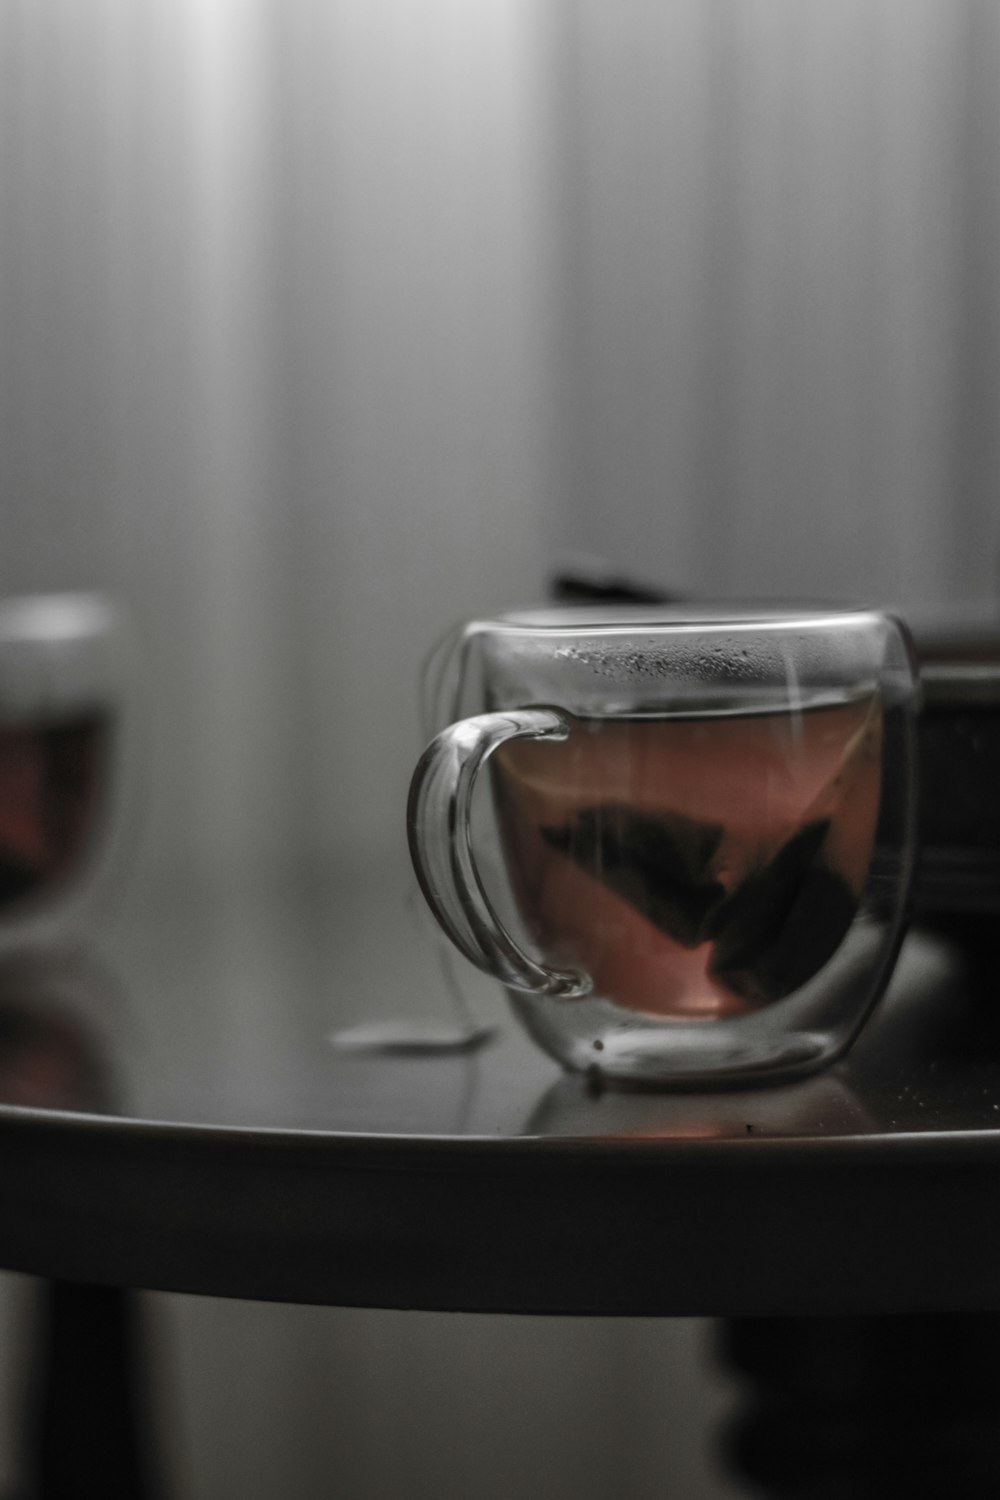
(694, 867)
(52, 796)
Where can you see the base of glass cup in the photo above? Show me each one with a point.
(800, 1034)
(616, 1046)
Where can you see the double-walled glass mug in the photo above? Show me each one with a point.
(704, 824)
(63, 689)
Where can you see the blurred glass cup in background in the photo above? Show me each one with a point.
(64, 688)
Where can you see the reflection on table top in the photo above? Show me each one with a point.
(177, 1083)
(223, 1006)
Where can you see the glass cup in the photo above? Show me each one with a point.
(63, 685)
(694, 862)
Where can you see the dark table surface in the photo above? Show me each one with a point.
(177, 1111)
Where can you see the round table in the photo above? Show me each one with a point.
(182, 1108)
(179, 1113)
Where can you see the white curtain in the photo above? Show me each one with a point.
(327, 322)
(273, 327)
(782, 222)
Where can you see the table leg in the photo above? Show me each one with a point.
(867, 1407)
(88, 1431)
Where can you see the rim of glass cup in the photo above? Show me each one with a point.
(56, 616)
(700, 615)
(437, 679)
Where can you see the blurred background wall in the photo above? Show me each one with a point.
(326, 323)
(783, 311)
(273, 290)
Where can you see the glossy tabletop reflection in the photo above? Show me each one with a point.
(178, 1110)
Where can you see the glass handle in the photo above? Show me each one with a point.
(438, 824)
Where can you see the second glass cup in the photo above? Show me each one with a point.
(65, 760)
(704, 825)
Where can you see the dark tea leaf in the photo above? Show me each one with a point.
(659, 863)
(781, 925)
